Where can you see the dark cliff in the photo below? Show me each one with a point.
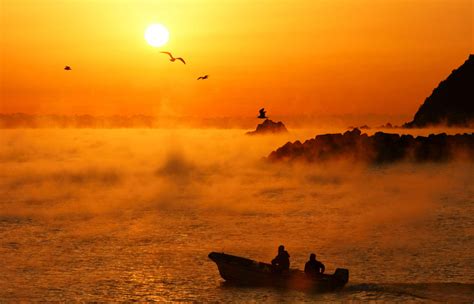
(452, 102)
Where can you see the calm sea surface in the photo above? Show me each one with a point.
(131, 215)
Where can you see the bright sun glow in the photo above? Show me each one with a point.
(156, 35)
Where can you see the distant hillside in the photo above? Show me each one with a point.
(452, 102)
(21, 120)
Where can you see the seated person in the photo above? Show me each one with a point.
(313, 267)
(282, 261)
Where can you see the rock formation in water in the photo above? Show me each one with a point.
(378, 148)
(452, 102)
(388, 125)
(269, 127)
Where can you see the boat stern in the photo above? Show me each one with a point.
(342, 275)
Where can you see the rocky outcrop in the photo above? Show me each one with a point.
(269, 127)
(451, 103)
(378, 148)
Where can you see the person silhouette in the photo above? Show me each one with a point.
(281, 263)
(313, 267)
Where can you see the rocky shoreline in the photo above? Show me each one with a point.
(378, 148)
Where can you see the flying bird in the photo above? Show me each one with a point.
(172, 59)
(262, 113)
(203, 77)
(67, 68)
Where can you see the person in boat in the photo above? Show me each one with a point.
(281, 262)
(313, 267)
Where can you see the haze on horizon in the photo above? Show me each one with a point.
(293, 57)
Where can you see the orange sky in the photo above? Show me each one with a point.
(295, 57)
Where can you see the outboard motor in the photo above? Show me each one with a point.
(342, 275)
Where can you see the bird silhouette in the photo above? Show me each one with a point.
(203, 77)
(262, 113)
(67, 68)
(172, 59)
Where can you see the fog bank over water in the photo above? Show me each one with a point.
(98, 171)
(83, 195)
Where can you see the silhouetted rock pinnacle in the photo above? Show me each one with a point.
(452, 102)
(269, 127)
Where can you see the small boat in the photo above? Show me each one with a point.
(243, 271)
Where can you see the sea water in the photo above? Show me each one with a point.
(131, 215)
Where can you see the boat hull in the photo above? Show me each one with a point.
(242, 271)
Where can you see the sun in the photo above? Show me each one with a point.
(156, 35)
